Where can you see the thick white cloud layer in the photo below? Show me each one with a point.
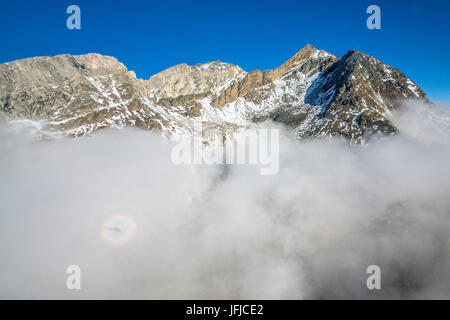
(309, 231)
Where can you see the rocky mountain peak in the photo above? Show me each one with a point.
(314, 92)
(357, 94)
(214, 66)
(45, 71)
(308, 57)
(300, 57)
(182, 79)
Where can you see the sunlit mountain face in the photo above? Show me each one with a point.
(314, 93)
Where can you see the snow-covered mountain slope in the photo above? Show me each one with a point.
(314, 92)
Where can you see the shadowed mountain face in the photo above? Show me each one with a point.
(315, 93)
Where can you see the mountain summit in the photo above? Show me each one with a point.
(314, 92)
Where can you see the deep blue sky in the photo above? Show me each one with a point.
(149, 36)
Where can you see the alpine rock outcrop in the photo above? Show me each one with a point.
(314, 93)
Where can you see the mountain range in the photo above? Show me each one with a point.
(314, 93)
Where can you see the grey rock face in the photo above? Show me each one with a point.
(355, 94)
(182, 79)
(315, 93)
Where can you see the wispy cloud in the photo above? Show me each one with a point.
(308, 232)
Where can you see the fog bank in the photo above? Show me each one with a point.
(309, 231)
